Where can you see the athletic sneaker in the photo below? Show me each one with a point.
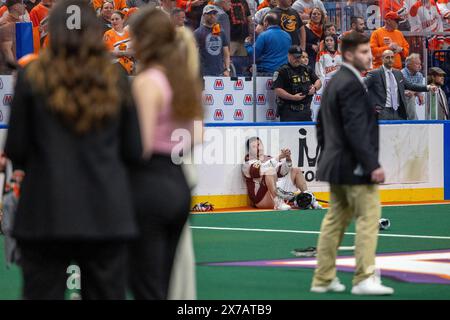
(316, 205)
(306, 252)
(334, 286)
(372, 286)
(281, 205)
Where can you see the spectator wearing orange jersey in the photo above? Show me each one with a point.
(389, 38)
(39, 19)
(117, 40)
(119, 5)
(401, 7)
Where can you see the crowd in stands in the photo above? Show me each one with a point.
(232, 35)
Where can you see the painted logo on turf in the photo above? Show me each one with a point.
(415, 267)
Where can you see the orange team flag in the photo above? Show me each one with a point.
(216, 29)
(26, 59)
(3, 9)
(36, 40)
(264, 4)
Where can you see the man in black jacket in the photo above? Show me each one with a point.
(347, 132)
(387, 89)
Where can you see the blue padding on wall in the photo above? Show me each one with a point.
(24, 39)
(447, 161)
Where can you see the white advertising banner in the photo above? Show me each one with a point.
(412, 155)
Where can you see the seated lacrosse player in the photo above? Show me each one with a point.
(270, 181)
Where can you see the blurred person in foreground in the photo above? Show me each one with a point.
(71, 133)
(167, 99)
(347, 132)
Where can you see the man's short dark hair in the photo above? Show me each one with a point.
(351, 41)
(354, 20)
(271, 18)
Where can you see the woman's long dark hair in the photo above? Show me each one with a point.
(157, 42)
(75, 72)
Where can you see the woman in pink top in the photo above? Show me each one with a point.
(167, 92)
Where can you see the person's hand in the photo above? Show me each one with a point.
(393, 46)
(315, 47)
(433, 88)
(409, 94)
(387, 41)
(282, 154)
(299, 97)
(312, 91)
(288, 155)
(421, 99)
(377, 175)
(249, 39)
(226, 73)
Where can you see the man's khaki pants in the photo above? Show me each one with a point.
(361, 202)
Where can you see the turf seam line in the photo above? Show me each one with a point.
(317, 232)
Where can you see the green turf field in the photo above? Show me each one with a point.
(243, 282)
(239, 282)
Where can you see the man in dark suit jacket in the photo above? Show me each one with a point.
(387, 89)
(347, 132)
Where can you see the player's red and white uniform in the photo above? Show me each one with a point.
(254, 171)
(327, 64)
(444, 9)
(428, 20)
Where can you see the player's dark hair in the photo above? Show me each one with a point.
(250, 140)
(351, 41)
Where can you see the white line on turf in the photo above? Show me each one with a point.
(317, 232)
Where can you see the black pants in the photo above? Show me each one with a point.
(162, 203)
(286, 115)
(45, 268)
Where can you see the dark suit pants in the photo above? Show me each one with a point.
(46, 274)
(388, 114)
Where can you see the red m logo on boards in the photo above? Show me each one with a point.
(218, 84)
(208, 99)
(248, 100)
(239, 85)
(238, 114)
(270, 114)
(7, 98)
(218, 114)
(228, 100)
(261, 100)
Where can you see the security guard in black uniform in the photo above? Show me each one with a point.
(295, 85)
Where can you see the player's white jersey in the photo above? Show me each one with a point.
(327, 64)
(444, 8)
(427, 17)
(254, 171)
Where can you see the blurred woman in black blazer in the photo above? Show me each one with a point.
(72, 128)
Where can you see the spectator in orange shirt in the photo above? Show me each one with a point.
(38, 17)
(119, 5)
(117, 40)
(389, 38)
